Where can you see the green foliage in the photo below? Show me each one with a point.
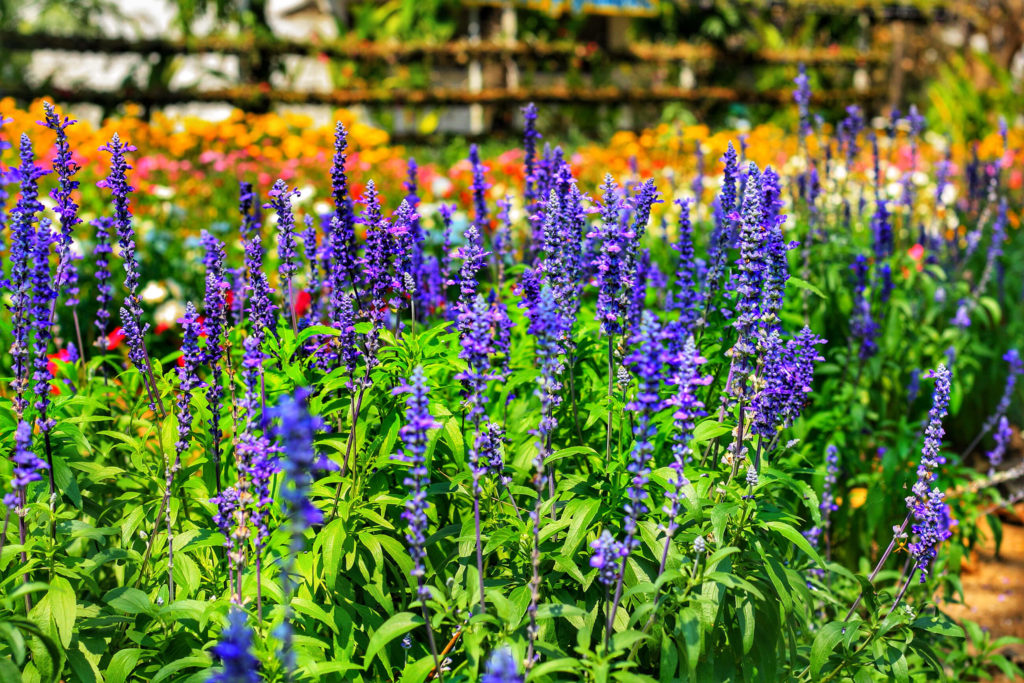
(91, 599)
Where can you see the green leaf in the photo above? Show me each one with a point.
(177, 665)
(624, 640)
(824, 645)
(563, 665)
(8, 672)
(552, 610)
(804, 284)
(745, 614)
(398, 625)
(62, 608)
(689, 625)
(709, 429)
(581, 519)
(130, 600)
(569, 452)
(939, 625)
(418, 671)
(308, 332)
(796, 538)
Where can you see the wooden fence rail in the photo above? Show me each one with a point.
(454, 52)
(248, 97)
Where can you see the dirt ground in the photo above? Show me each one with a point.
(994, 587)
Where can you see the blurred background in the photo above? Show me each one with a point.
(430, 69)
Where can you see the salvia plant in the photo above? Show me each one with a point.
(742, 426)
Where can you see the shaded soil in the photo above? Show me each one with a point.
(994, 586)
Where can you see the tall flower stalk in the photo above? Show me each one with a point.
(131, 313)
(611, 240)
(215, 314)
(647, 360)
(477, 347)
(1015, 368)
(65, 168)
(414, 436)
(295, 433)
(925, 504)
(287, 266)
(43, 295)
(234, 652)
(23, 245)
(686, 378)
(188, 382)
(545, 327)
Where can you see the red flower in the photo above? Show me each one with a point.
(114, 338)
(302, 302)
(52, 358)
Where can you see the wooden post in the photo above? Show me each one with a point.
(896, 76)
(509, 27)
(475, 75)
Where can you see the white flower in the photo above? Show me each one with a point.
(949, 194)
(153, 293)
(440, 186)
(169, 313)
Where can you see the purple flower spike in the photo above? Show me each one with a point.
(341, 242)
(24, 244)
(296, 432)
(687, 299)
(930, 455)
(234, 652)
(862, 323)
(43, 296)
(480, 186)
(104, 291)
(611, 243)
(1015, 370)
(502, 668)
(530, 138)
(259, 295)
(607, 558)
(27, 466)
(752, 265)
(188, 376)
(930, 512)
(65, 168)
(281, 202)
(117, 182)
(688, 408)
(648, 363)
(414, 436)
(313, 283)
(802, 96)
(1003, 434)
(215, 313)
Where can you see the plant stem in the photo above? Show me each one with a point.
(903, 590)
(3, 534)
(259, 580)
(291, 310)
(878, 567)
(53, 483)
(572, 395)
(23, 537)
(611, 363)
(618, 589)
(430, 634)
(479, 546)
